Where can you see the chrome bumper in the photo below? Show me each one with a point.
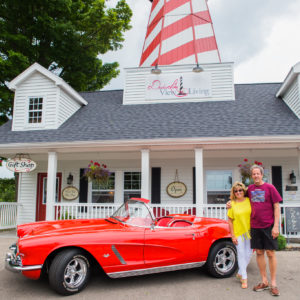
(13, 262)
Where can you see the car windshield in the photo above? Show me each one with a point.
(134, 213)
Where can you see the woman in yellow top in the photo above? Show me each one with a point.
(239, 223)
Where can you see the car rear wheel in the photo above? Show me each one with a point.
(222, 260)
(69, 272)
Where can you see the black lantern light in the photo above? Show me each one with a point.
(70, 179)
(293, 177)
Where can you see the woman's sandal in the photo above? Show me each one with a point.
(244, 283)
(238, 277)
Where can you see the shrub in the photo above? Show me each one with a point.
(7, 190)
(281, 242)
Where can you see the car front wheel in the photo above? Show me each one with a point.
(222, 260)
(69, 272)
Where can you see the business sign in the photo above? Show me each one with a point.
(70, 193)
(176, 189)
(21, 165)
(178, 86)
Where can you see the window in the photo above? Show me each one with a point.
(132, 185)
(45, 190)
(218, 185)
(35, 110)
(104, 193)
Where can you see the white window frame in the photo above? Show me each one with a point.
(132, 190)
(35, 125)
(216, 170)
(90, 192)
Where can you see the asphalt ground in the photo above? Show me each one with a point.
(187, 284)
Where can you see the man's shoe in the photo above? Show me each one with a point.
(261, 287)
(274, 291)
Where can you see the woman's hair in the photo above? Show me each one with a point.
(236, 185)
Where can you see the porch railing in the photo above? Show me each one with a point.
(8, 215)
(64, 211)
(88, 211)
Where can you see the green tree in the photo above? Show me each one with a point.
(64, 36)
(7, 190)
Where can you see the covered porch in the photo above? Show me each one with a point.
(145, 169)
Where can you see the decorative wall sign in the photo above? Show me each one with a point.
(70, 193)
(182, 86)
(21, 165)
(176, 189)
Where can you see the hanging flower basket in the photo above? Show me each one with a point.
(245, 170)
(98, 173)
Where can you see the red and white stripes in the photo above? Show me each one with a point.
(179, 32)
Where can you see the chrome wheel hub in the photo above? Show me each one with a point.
(75, 273)
(225, 260)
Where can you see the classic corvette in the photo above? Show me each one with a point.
(129, 243)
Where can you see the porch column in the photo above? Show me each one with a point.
(51, 185)
(145, 193)
(199, 181)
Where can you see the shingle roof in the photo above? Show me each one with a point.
(255, 112)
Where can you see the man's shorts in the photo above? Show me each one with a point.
(261, 238)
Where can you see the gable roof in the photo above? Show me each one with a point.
(255, 112)
(12, 85)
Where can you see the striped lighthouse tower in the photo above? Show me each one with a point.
(179, 32)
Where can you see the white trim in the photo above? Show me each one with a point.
(293, 73)
(51, 185)
(212, 143)
(145, 173)
(12, 85)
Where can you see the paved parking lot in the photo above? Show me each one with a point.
(188, 284)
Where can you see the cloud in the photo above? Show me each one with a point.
(260, 37)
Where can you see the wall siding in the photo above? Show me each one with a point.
(67, 107)
(184, 165)
(37, 85)
(292, 97)
(221, 84)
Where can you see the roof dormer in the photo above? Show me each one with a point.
(290, 90)
(42, 100)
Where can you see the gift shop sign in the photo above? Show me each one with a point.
(178, 86)
(21, 165)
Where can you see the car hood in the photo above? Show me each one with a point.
(65, 226)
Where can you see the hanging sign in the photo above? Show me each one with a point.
(70, 193)
(176, 189)
(178, 86)
(21, 165)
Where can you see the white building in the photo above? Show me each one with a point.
(179, 125)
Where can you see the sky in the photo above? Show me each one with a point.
(260, 37)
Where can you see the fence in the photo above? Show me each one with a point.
(289, 218)
(8, 215)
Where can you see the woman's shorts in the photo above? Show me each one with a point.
(261, 238)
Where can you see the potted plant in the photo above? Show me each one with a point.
(97, 172)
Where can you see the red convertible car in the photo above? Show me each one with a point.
(129, 243)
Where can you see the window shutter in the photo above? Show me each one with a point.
(83, 188)
(277, 178)
(194, 186)
(155, 185)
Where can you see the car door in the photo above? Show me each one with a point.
(171, 245)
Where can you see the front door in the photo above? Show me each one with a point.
(41, 199)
